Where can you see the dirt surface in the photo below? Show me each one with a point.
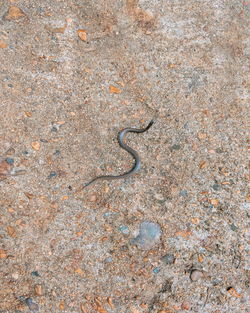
(172, 238)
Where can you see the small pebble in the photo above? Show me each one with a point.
(10, 161)
(124, 248)
(219, 150)
(109, 214)
(168, 259)
(108, 259)
(14, 13)
(22, 298)
(176, 147)
(3, 254)
(15, 276)
(62, 305)
(124, 229)
(92, 198)
(202, 136)
(149, 235)
(82, 34)
(32, 305)
(196, 275)
(54, 129)
(52, 174)
(159, 197)
(6, 78)
(183, 193)
(39, 290)
(185, 305)
(35, 273)
(233, 227)
(216, 281)
(156, 270)
(57, 152)
(166, 287)
(40, 10)
(115, 90)
(36, 145)
(216, 187)
(214, 202)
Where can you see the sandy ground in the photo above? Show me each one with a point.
(172, 238)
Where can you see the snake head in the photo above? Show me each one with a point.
(150, 124)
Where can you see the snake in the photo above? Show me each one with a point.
(135, 155)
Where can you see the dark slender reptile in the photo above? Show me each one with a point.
(134, 154)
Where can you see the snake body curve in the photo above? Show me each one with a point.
(134, 154)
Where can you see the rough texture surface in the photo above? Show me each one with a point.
(73, 73)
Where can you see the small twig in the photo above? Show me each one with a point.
(206, 297)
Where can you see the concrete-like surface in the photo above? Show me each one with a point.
(73, 73)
